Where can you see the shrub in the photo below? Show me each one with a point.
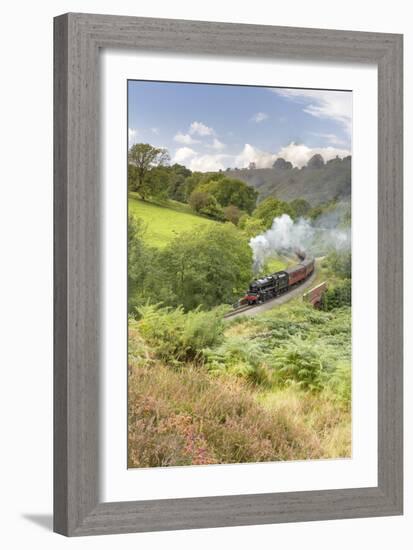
(339, 383)
(251, 226)
(241, 357)
(177, 336)
(198, 200)
(298, 363)
(337, 296)
(271, 208)
(210, 267)
(232, 214)
(212, 209)
(339, 264)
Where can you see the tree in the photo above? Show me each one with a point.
(316, 161)
(205, 204)
(209, 267)
(191, 183)
(177, 175)
(282, 164)
(231, 191)
(139, 262)
(271, 208)
(213, 209)
(232, 214)
(300, 207)
(143, 157)
(157, 182)
(250, 226)
(198, 200)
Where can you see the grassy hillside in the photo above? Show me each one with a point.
(315, 185)
(164, 221)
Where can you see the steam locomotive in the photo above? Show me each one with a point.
(277, 283)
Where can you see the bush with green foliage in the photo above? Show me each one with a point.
(232, 214)
(238, 356)
(191, 183)
(177, 181)
(141, 260)
(298, 363)
(142, 158)
(336, 296)
(231, 191)
(198, 200)
(300, 208)
(251, 226)
(209, 268)
(176, 336)
(338, 383)
(271, 208)
(212, 209)
(339, 264)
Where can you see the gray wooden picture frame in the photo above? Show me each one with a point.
(78, 39)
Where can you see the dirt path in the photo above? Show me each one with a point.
(254, 310)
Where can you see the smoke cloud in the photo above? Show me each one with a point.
(286, 237)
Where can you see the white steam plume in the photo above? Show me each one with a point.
(286, 237)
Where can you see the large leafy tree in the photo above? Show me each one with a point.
(208, 268)
(178, 175)
(142, 158)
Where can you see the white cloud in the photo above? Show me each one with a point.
(200, 129)
(185, 139)
(332, 138)
(217, 145)
(250, 153)
(183, 154)
(299, 155)
(199, 162)
(334, 105)
(207, 163)
(259, 117)
(132, 135)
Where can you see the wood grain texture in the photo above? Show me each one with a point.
(77, 506)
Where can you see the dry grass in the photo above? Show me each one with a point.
(186, 416)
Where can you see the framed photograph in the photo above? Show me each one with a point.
(228, 274)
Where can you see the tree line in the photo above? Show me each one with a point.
(215, 195)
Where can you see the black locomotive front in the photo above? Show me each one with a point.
(269, 287)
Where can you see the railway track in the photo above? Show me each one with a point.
(237, 311)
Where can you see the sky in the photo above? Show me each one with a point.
(208, 127)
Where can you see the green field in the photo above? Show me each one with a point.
(164, 221)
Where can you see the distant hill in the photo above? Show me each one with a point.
(315, 183)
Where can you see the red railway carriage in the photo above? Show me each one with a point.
(296, 274)
(309, 266)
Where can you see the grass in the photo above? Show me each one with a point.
(185, 416)
(230, 411)
(165, 221)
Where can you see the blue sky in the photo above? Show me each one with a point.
(211, 127)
